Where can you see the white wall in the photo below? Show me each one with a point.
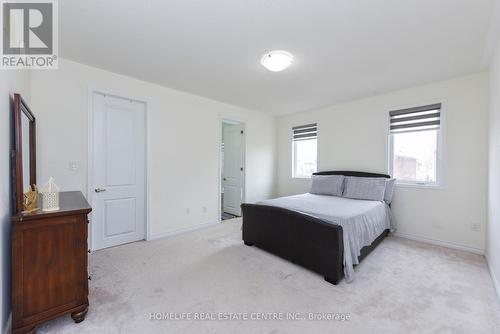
(184, 132)
(493, 242)
(353, 136)
(11, 81)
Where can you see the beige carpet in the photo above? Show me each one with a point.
(402, 287)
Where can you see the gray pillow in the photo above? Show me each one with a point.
(389, 190)
(367, 188)
(327, 185)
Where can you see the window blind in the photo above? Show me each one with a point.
(418, 118)
(305, 132)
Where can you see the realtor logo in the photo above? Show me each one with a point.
(29, 34)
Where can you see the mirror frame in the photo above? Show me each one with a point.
(21, 107)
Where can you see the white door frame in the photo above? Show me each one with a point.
(244, 152)
(90, 154)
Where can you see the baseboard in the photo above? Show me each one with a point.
(182, 230)
(8, 325)
(496, 284)
(440, 243)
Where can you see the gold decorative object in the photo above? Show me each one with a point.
(31, 199)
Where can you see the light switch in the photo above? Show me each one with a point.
(73, 165)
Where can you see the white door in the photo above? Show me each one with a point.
(118, 171)
(232, 179)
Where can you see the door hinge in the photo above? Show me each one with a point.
(241, 131)
(241, 169)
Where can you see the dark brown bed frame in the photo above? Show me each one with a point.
(302, 239)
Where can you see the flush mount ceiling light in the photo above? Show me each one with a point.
(276, 61)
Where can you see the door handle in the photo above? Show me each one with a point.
(99, 190)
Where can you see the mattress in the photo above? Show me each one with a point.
(362, 221)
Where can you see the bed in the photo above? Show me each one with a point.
(326, 234)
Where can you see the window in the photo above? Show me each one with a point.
(305, 150)
(415, 145)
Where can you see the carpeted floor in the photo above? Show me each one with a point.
(402, 287)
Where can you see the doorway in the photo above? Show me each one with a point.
(232, 171)
(117, 170)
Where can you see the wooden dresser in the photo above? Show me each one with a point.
(49, 264)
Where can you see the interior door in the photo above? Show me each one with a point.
(118, 171)
(232, 179)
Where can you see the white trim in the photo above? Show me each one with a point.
(182, 230)
(425, 186)
(441, 154)
(496, 283)
(91, 90)
(440, 243)
(492, 36)
(8, 325)
(234, 121)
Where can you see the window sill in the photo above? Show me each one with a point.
(301, 177)
(420, 186)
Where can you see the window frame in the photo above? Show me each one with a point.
(293, 149)
(440, 154)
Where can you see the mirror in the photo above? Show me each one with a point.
(24, 163)
(25, 133)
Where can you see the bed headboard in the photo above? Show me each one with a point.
(352, 173)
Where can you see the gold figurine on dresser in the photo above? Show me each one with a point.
(31, 199)
(49, 249)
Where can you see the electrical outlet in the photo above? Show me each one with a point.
(437, 225)
(475, 227)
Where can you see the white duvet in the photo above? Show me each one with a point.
(362, 221)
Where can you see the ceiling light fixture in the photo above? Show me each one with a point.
(276, 61)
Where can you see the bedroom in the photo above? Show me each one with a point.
(351, 65)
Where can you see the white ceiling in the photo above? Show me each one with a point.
(344, 49)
